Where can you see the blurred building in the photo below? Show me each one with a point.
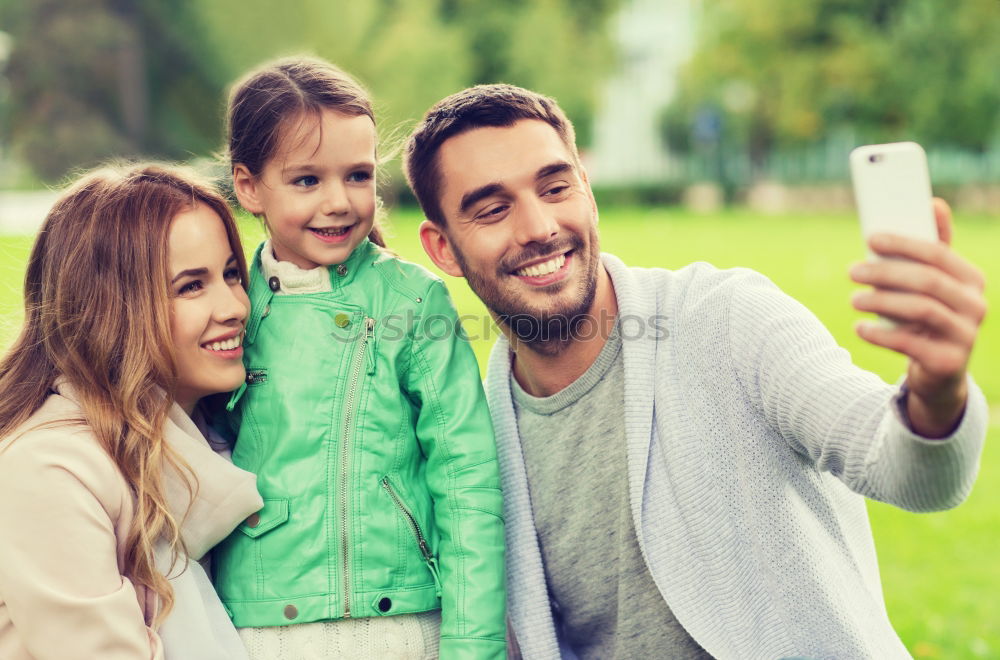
(654, 38)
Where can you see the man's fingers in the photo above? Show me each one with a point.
(938, 255)
(914, 277)
(942, 216)
(925, 314)
(943, 359)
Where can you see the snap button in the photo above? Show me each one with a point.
(341, 270)
(420, 299)
(253, 520)
(342, 320)
(274, 283)
(384, 605)
(291, 612)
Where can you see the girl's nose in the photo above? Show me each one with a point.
(335, 200)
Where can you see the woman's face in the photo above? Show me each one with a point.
(207, 308)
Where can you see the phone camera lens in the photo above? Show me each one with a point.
(874, 158)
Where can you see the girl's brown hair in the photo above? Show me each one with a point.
(97, 314)
(263, 103)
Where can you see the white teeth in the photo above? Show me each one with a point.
(333, 231)
(226, 345)
(544, 268)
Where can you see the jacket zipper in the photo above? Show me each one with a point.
(345, 455)
(421, 542)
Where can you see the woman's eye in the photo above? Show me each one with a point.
(190, 287)
(306, 181)
(232, 276)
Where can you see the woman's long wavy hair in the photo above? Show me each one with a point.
(97, 314)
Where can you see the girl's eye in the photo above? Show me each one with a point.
(306, 181)
(189, 288)
(232, 276)
(359, 176)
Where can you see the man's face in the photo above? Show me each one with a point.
(522, 226)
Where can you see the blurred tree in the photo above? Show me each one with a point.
(94, 79)
(411, 53)
(787, 72)
(557, 47)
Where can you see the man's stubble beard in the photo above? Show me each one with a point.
(547, 332)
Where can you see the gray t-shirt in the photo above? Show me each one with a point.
(574, 453)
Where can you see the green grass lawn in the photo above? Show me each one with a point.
(940, 572)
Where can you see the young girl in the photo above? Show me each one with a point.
(109, 491)
(362, 413)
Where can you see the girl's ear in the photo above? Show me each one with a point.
(438, 248)
(245, 186)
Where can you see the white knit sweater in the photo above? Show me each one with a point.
(751, 438)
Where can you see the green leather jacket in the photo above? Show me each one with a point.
(364, 418)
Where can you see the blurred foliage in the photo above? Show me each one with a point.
(773, 74)
(92, 79)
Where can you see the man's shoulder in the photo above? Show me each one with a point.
(696, 283)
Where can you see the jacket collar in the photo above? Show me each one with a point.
(224, 495)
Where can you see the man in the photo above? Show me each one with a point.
(683, 453)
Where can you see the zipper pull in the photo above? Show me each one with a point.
(370, 344)
(432, 564)
(236, 396)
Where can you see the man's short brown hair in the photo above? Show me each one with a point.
(476, 107)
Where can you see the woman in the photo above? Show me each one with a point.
(134, 311)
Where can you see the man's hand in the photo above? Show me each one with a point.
(937, 301)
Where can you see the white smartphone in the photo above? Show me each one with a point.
(892, 189)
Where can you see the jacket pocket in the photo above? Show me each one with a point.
(425, 551)
(273, 514)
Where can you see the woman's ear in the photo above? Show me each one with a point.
(245, 186)
(438, 248)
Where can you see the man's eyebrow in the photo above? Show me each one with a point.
(482, 192)
(553, 168)
(473, 196)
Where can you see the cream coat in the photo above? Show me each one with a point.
(65, 511)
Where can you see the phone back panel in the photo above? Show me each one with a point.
(892, 189)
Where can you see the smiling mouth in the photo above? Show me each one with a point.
(332, 231)
(544, 268)
(227, 345)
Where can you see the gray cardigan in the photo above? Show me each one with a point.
(751, 439)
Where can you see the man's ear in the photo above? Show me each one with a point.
(438, 248)
(590, 191)
(245, 186)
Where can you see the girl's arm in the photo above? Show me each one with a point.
(454, 429)
(60, 498)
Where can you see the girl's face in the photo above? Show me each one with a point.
(207, 307)
(317, 193)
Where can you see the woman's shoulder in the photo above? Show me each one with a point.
(55, 448)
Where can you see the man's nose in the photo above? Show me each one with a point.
(536, 223)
